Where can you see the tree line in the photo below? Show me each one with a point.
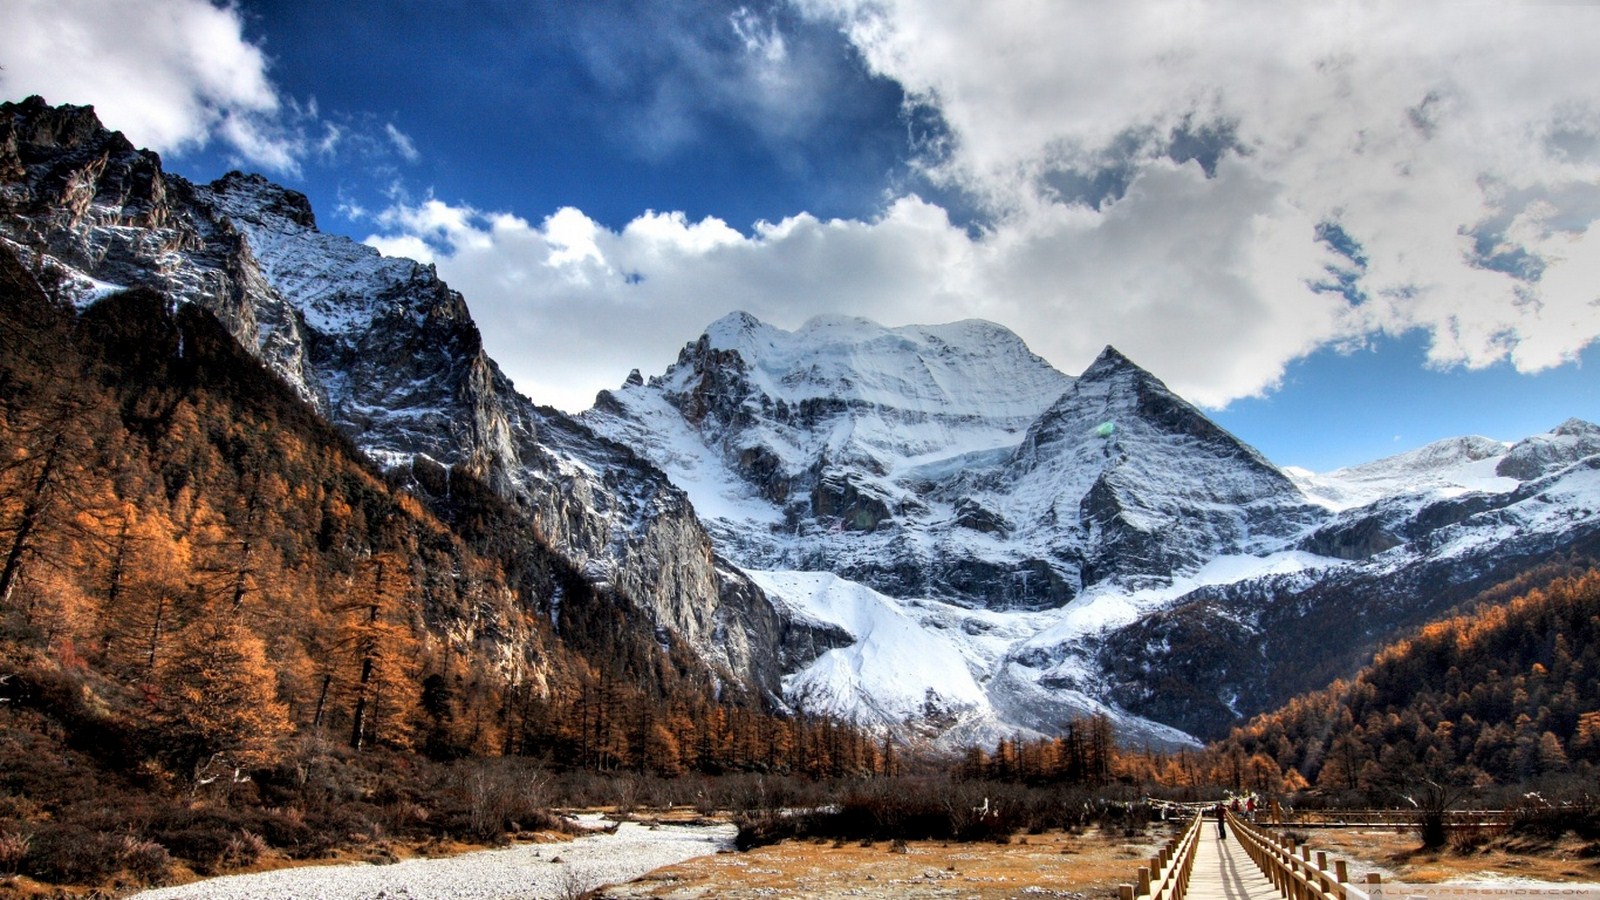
(1505, 692)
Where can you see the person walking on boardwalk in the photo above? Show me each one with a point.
(1222, 821)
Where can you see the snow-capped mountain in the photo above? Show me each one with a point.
(945, 462)
(945, 485)
(923, 527)
(939, 494)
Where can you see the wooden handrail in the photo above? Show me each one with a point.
(1296, 875)
(1167, 875)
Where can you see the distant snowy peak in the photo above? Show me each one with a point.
(1117, 413)
(1452, 467)
(1152, 485)
(1543, 454)
(969, 368)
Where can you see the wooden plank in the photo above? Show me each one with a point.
(1223, 871)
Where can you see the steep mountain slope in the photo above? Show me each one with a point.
(1144, 483)
(976, 498)
(217, 617)
(825, 448)
(1222, 653)
(1510, 690)
(946, 462)
(381, 347)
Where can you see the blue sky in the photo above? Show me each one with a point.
(1346, 229)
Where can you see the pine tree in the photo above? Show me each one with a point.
(218, 703)
(382, 671)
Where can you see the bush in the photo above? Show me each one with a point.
(69, 853)
(147, 861)
(13, 850)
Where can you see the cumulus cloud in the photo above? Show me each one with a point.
(540, 290)
(1454, 147)
(171, 74)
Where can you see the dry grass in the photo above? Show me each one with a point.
(1087, 866)
(1396, 855)
(1055, 864)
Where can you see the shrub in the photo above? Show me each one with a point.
(13, 850)
(68, 853)
(147, 861)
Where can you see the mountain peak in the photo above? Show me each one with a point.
(34, 121)
(1542, 454)
(1111, 361)
(1576, 427)
(269, 197)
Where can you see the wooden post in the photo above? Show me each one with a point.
(1144, 881)
(1374, 878)
(1341, 871)
(1125, 892)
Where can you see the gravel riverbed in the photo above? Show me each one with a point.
(525, 872)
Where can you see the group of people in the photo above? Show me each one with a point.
(1221, 810)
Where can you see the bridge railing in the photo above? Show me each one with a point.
(1166, 875)
(1293, 870)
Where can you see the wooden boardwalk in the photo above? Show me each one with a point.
(1223, 871)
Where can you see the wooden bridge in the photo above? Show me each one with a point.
(1248, 864)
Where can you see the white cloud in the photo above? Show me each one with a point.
(171, 74)
(1417, 128)
(540, 292)
(402, 143)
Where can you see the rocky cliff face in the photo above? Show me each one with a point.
(381, 347)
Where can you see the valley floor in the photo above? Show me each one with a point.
(1471, 857)
(1054, 864)
(1087, 866)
